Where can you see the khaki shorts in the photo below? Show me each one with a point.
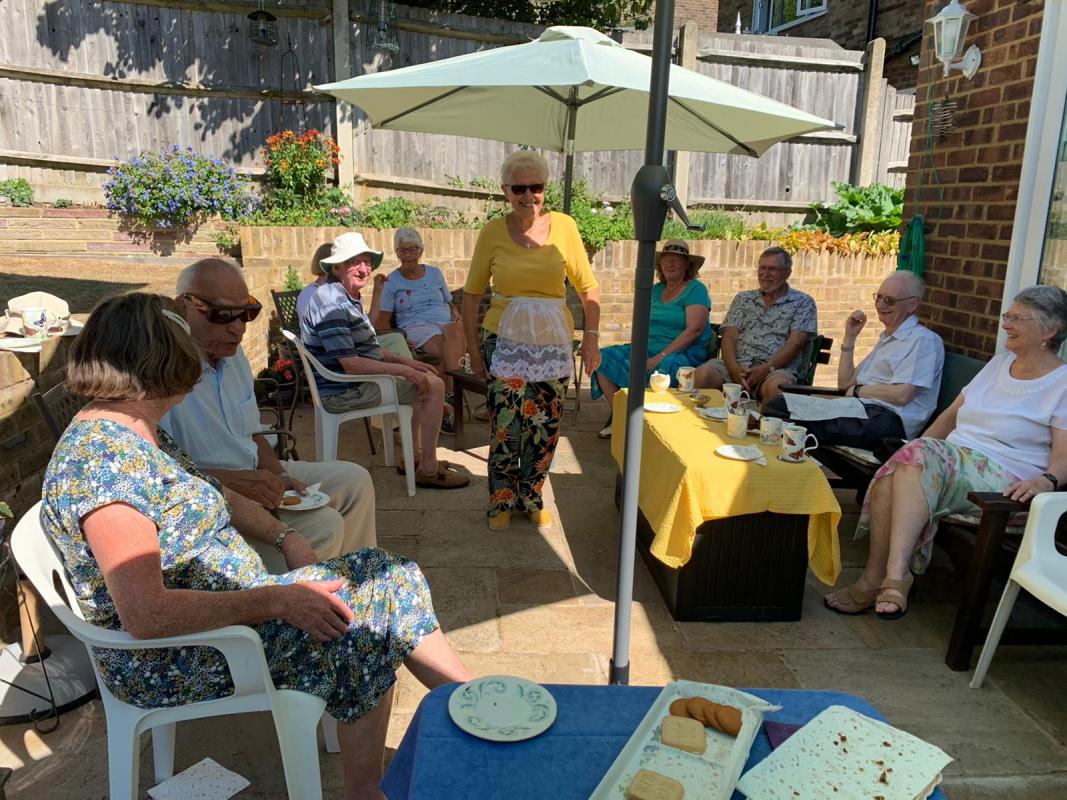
(367, 395)
(720, 365)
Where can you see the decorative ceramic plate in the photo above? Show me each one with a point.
(312, 500)
(714, 412)
(502, 708)
(739, 452)
(662, 408)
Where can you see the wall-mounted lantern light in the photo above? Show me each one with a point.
(950, 34)
(263, 27)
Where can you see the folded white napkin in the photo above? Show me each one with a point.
(206, 780)
(811, 409)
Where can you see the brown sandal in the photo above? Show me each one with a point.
(444, 479)
(402, 470)
(851, 600)
(896, 592)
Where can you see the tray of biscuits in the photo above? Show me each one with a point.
(691, 745)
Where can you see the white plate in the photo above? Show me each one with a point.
(662, 408)
(740, 452)
(713, 412)
(502, 708)
(312, 500)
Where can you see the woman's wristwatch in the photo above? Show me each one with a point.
(1053, 480)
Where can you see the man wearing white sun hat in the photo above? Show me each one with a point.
(338, 332)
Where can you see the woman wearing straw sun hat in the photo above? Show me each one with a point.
(678, 331)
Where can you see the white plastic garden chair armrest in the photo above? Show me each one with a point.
(386, 383)
(239, 645)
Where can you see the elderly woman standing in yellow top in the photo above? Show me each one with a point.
(526, 344)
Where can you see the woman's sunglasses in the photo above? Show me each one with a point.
(224, 315)
(523, 188)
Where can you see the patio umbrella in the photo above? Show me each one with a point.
(572, 90)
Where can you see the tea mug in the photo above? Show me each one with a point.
(659, 382)
(35, 322)
(770, 430)
(686, 379)
(732, 393)
(737, 422)
(795, 443)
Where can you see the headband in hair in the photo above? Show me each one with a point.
(176, 318)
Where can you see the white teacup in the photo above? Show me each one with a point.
(659, 382)
(686, 379)
(35, 322)
(770, 430)
(737, 423)
(795, 445)
(732, 393)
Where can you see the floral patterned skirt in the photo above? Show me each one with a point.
(949, 473)
(393, 610)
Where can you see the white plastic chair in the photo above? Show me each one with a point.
(1039, 568)
(295, 713)
(328, 423)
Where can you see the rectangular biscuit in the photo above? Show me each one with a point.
(684, 733)
(649, 785)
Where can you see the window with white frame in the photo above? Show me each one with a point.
(771, 16)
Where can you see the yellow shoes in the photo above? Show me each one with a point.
(541, 518)
(500, 522)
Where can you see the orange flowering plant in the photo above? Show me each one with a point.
(297, 165)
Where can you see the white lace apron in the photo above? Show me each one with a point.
(533, 341)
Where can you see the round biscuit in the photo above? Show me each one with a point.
(728, 720)
(678, 708)
(700, 709)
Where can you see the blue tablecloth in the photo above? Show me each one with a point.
(438, 761)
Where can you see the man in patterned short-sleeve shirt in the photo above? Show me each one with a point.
(764, 333)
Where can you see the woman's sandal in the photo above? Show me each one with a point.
(851, 600)
(896, 592)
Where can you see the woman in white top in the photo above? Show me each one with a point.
(1007, 431)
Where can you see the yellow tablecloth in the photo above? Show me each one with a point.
(684, 483)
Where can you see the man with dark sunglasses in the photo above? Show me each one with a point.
(897, 382)
(218, 425)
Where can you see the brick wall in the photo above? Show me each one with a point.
(978, 165)
(705, 13)
(845, 22)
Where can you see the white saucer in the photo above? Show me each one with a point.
(662, 408)
(502, 708)
(312, 500)
(713, 412)
(739, 452)
(792, 461)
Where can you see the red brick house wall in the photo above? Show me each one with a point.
(845, 22)
(705, 13)
(979, 165)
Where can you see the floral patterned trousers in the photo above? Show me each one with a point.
(524, 419)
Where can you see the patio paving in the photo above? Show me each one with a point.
(539, 604)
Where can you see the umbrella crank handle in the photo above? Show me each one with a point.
(669, 195)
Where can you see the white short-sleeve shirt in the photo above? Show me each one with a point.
(1011, 420)
(215, 422)
(912, 354)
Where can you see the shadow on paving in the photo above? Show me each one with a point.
(81, 295)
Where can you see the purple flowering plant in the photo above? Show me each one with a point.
(176, 187)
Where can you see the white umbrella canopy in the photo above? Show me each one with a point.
(571, 76)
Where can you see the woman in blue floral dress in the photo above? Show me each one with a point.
(151, 550)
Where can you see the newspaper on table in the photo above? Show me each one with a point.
(844, 755)
(803, 408)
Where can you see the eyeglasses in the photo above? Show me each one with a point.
(523, 188)
(409, 249)
(224, 315)
(1014, 319)
(891, 301)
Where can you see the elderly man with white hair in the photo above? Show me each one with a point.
(218, 425)
(897, 382)
(417, 299)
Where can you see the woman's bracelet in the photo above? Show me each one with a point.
(1053, 480)
(281, 537)
(847, 348)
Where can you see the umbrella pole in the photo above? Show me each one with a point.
(649, 192)
(568, 168)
